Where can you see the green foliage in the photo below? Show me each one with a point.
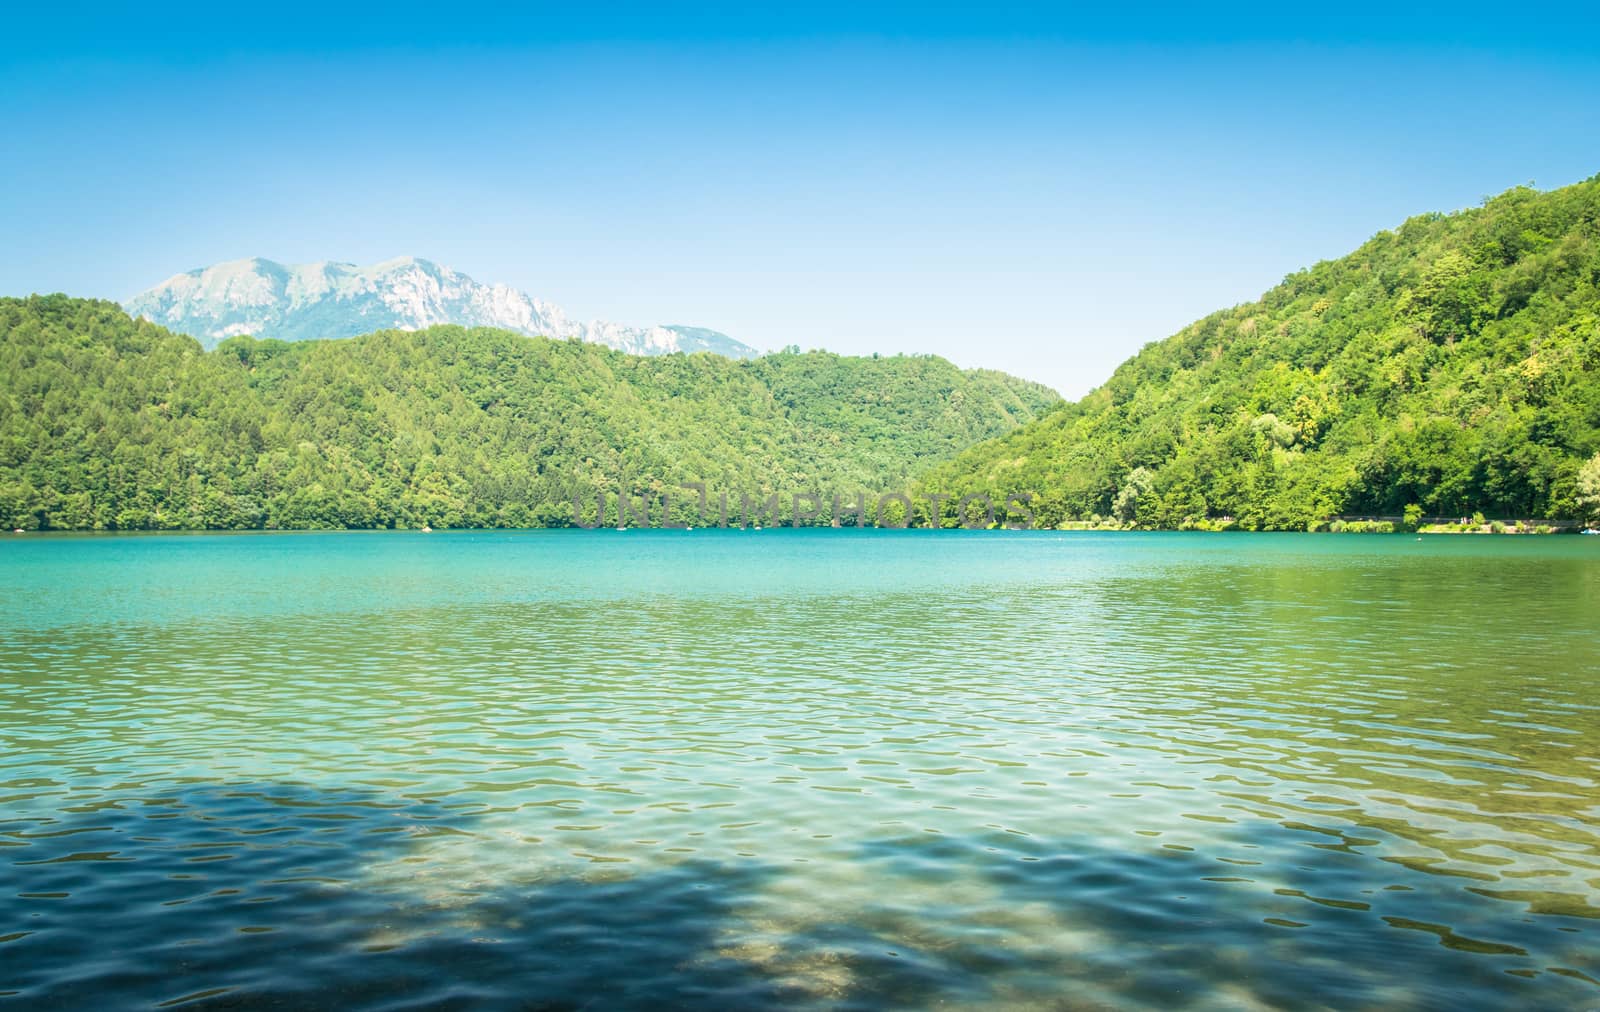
(1360, 527)
(1411, 517)
(1135, 487)
(112, 423)
(1453, 363)
(1588, 489)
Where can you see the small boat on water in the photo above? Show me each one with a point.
(426, 529)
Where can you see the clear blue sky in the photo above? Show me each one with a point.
(1022, 187)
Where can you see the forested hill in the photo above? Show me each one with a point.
(1453, 363)
(112, 423)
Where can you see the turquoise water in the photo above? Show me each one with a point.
(831, 769)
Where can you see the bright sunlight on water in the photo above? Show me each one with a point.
(826, 769)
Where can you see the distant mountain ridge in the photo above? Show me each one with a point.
(297, 302)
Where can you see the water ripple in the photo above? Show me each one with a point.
(826, 770)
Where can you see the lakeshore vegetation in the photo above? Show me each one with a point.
(1450, 367)
(113, 423)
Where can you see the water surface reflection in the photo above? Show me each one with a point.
(843, 771)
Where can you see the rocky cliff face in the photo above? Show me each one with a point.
(330, 300)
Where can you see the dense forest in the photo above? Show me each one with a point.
(1451, 366)
(1448, 367)
(107, 422)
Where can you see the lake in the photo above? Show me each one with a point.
(830, 769)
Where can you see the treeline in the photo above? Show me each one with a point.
(111, 423)
(1451, 365)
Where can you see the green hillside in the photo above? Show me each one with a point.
(111, 423)
(1452, 364)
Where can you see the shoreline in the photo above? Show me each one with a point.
(1073, 528)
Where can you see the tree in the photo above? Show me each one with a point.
(1412, 517)
(1136, 487)
(1589, 489)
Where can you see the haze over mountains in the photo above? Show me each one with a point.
(296, 302)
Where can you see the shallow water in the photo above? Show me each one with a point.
(827, 769)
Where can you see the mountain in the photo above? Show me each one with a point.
(299, 302)
(1452, 364)
(111, 422)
